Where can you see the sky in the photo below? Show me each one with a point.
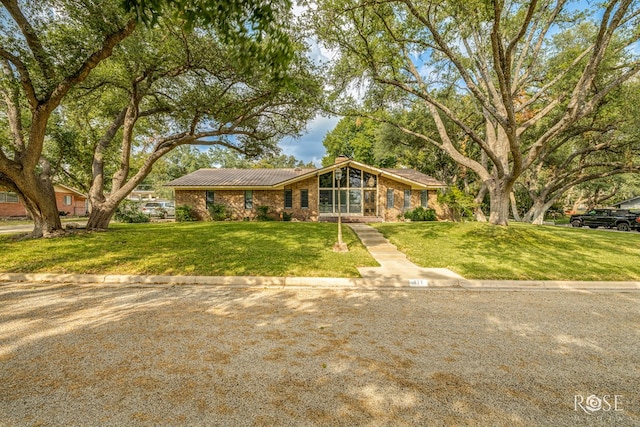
(308, 147)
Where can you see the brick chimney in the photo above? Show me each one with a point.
(341, 158)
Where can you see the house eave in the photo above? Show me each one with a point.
(221, 187)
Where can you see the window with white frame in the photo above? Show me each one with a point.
(8, 197)
(66, 200)
(424, 198)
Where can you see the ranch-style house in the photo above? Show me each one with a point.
(364, 193)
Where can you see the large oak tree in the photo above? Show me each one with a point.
(48, 47)
(509, 58)
(164, 88)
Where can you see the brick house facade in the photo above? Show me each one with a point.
(68, 200)
(366, 192)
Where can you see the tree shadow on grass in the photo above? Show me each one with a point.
(254, 249)
(520, 252)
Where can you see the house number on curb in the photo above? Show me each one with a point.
(418, 283)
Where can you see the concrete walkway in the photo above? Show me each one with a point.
(394, 265)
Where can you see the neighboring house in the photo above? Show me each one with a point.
(633, 203)
(69, 200)
(141, 193)
(366, 192)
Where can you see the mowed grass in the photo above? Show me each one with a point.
(519, 251)
(204, 248)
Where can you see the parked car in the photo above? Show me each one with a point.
(159, 208)
(621, 219)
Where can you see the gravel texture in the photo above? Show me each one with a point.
(187, 355)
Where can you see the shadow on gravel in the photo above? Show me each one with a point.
(222, 356)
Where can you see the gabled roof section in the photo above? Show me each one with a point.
(236, 177)
(408, 176)
(415, 176)
(633, 199)
(68, 189)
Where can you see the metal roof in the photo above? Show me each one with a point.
(237, 177)
(270, 178)
(415, 176)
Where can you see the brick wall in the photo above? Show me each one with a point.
(299, 213)
(194, 198)
(234, 200)
(432, 202)
(12, 209)
(391, 214)
(77, 206)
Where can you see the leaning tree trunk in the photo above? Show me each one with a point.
(477, 211)
(39, 199)
(100, 216)
(539, 210)
(514, 206)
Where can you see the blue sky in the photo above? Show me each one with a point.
(308, 147)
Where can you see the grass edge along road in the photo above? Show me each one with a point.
(474, 250)
(519, 251)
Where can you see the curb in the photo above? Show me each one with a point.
(223, 281)
(319, 282)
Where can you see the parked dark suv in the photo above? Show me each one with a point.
(621, 219)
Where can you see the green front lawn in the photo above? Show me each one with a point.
(203, 248)
(520, 251)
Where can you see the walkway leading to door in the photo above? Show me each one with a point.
(393, 263)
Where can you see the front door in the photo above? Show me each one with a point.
(369, 205)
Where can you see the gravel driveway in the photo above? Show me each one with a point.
(186, 355)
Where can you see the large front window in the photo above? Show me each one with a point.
(352, 185)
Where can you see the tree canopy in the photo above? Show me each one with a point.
(501, 82)
(49, 48)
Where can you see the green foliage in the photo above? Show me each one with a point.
(496, 86)
(129, 212)
(257, 29)
(421, 214)
(185, 213)
(287, 216)
(219, 212)
(356, 138)
(263, 213)
(458, 204)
